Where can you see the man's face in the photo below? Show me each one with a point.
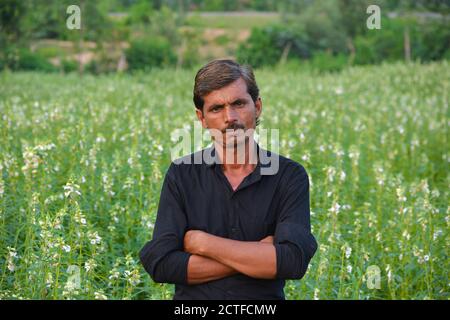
(228, 109)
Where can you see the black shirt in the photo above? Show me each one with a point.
(199, 197)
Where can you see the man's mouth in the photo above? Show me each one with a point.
(233, 130)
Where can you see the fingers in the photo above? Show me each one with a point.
(268, 239)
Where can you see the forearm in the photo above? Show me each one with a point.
(203, 269)
(253, 258)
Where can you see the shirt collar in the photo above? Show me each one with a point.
(212, 158)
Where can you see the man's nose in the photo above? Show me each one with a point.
(230, 115)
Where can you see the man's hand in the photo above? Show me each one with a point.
(268, 239)
(193, 241)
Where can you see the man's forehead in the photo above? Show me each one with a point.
(235, 90)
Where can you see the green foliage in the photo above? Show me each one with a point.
(147, 53)
(378, 45)
(432, 41)
(322, 23)
(50, 52)
(11, 17)
(429, 40)
(141, 12)
(69, 65)
(260, 49)
(327, 62)
(23, 59)
(83, 163)
(33, 61)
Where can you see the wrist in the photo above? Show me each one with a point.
(204, 244)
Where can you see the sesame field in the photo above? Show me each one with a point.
(82, 162)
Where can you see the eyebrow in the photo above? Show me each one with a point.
(243, 100)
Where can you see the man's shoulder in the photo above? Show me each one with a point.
(286, 166)
(201, 157)
(189, 163)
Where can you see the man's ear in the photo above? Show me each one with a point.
(201, 118)
(258, 106)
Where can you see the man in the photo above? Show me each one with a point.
(223, 229)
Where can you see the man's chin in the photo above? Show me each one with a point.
(233, 142)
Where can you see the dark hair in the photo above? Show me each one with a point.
(220, 73)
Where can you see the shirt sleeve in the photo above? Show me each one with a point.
(294, 243)
(163, 257)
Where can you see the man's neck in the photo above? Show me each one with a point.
(234, 161)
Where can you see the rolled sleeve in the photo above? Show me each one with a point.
(293, 241)
(163, 257)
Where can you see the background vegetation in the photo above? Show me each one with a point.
(326, 35)
(85, 135)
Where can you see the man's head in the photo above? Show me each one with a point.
(226, 96)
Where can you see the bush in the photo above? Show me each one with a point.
(429, 40)
(263, 47)
(432, 41)
(23, 59)
(145, 54)
(69, 66)
(33, 61)
(50, 52)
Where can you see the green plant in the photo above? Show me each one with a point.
(147, 53)
(24, 59)
(69, 65)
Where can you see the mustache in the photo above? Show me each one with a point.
(234, 126)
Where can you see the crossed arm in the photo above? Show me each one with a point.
(214, 257)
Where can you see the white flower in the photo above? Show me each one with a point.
(436, 234)
(94, 237)
(349, 268)
(331, 171)
(12, 255)
(335, 208)
(49, 279)
(348, 252)
(100, 139)
(342, 176)
(133, 277)
(11, 266)
(90, 265)
(66, 248)
(2, 187)
(71, 190)
(306, 157)
(302, 137)
(114, 274)
(339, 90)
(100, 296)
(389, 272)
(316, 294)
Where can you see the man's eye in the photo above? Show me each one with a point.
(215, 109)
